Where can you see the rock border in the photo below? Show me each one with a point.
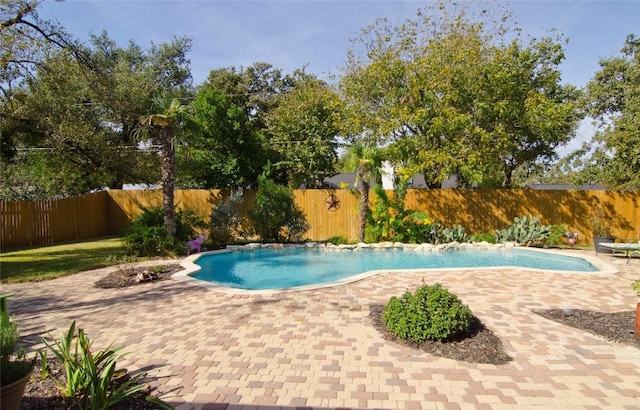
(422, 247)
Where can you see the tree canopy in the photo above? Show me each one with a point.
(451, 95)
(613, 99)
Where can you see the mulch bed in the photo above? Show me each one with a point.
(616, 327)
(131, 275)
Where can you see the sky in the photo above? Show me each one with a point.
(317, 34)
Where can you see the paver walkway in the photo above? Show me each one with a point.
(318, 349)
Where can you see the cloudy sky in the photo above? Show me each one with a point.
(291, 34)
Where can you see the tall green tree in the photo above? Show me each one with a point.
(79, 104)
(256, 90)
(227, 153)
(303, 130)
(366, 162)
(163, 126)
(450, 94)
(613, 98)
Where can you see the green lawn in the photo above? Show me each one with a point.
(50, 262)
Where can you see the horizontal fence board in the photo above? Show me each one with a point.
(29, 223)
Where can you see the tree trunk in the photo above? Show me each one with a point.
(364, 208)
(168, 172)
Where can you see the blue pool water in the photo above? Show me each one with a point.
(275, 269)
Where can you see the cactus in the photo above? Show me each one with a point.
(453, 233)
(524, 231)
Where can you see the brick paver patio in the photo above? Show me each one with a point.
(317, 349)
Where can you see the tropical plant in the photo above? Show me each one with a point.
(524, 231)
(431, 313)
(89, 375)
(276, 217)
(147, 235)
(556, 234)
(168, 118)
(366, 161)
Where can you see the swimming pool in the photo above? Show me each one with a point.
(262, 269)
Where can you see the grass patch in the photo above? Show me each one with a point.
(50, 262)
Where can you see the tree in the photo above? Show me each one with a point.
(303, 129)
(257, 91)
(613, 98)
(366, 161)
(450, 96)
(226, 153)
(81, 104)
(163, 126)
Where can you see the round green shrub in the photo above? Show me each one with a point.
(432, 313)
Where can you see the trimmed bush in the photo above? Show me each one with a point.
(276, 217)
(432, 313)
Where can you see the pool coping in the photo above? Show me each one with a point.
(191, 267)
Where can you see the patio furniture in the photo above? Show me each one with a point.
(630, 248)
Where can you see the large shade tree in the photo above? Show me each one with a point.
(450, 94)
(613, 98)
(227, 153)
(303, 130)
(69, 110)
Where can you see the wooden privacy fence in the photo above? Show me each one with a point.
(109, 212)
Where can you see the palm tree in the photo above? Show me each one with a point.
(366, 162)
(162, 126)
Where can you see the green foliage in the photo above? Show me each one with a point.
(453, 233)
(452, 93)
(227, 153)
(366, 161)
(431, 313)
(147, 236)
(389, 220)
(556, 234)
(225, 222)
(89, 375)
(482, 237)
(276, 217)
(524, 231)
(80, 102)
(13, 365)
(613, 98)
(303, 130)
(635, 285)
(338, 240)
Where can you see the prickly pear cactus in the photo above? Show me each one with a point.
(524, 231)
